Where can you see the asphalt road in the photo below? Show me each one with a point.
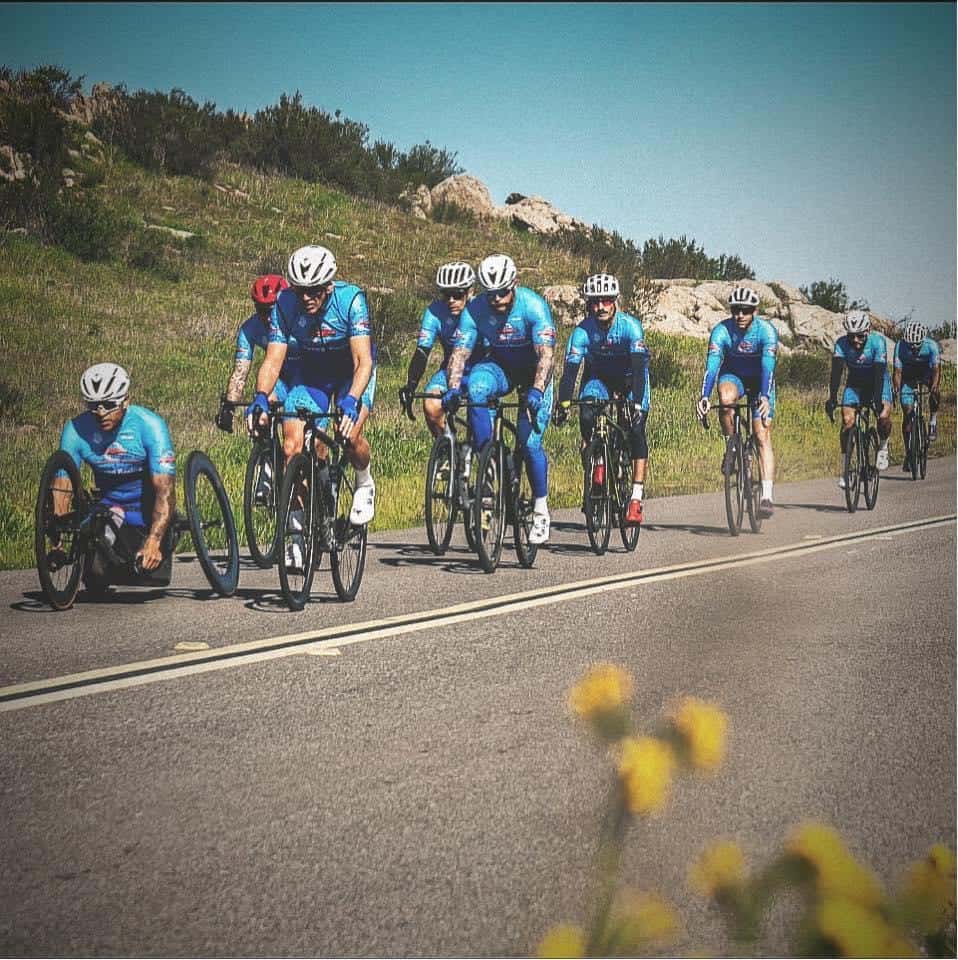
(426, 792)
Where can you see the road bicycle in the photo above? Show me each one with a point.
(313, 516)
(741, 467)
(860, 461)
(605, 502)
(450, 481)
(77, 537)
(917, 432)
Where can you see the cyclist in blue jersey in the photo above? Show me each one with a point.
(327, 321)
(252, 334)
(917, 360)
(514, 324)
(611, 345)
(862, 352)
(440, 319)
(134, 467)
(741, 356)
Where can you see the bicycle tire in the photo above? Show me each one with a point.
(851, 471)
(489, 507)
(622, 475)
(440, 505)
(212, 525)
(259, 519)
(734, 500)
(913, 447)
(59, 581)
(871, 473)
(347, 556)
(922, 447)
(295, 583)
(751, 486)
(467, 496)
(522, 515)
(598, 519)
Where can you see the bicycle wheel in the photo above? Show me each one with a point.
(871, 473)
(850, 471)
(440, 505)
(211, 524)
(914, 450)
(260, 488)
(734, 484)
(752, 484)
(61, 507)
(922, 446)
(489, 507)
(598, 514)
(347, 555)
(296, 532)
(621, 493)
(467, 493)
(523, 501)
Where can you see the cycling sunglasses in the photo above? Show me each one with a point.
(106, 405)
(594, 301)
(748, 311)
(455, 294)
(311, 292)
(499, 294)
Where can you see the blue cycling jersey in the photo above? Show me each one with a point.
(607, 353)
(438, 323)
(860, 364)
(509, 340)
(120, 458)
(748, 354)
(917, 363)
(255, 333)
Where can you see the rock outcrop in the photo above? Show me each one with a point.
(466, 192)
(537, 215)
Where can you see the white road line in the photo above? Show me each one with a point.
(330, 639)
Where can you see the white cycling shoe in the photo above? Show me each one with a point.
(881, 461)
(364, 504)
(294, 554)
(841, 483)
(540, 528)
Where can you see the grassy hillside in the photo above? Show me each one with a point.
(171, 323)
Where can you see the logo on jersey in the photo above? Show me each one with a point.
(747, 347)
(167, 459)
(507, 331)
(362, 325)
(575, 354)
(115, 450)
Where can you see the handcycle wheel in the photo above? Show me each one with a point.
(752, 485)
(850, 471)
(622, 493)
(489, 507)
(61, 507)
(922, 447)
(347, 556)
(734, 484)
(440, 507)
(872, 475)
(522, 516)
(468, 495)
(211, 524)
(598, 513)
(259, 505)
(296, 537)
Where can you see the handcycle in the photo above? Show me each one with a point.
(606, 503)
(741, 466)
(76, 536)
(860, 461)
(917, 451)
(450, 481)
(261, 485)
(322, 487)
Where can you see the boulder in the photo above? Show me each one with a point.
(813, 324)
(417, 201)
(537, 215)
(14, 166)
(565, 302)
(791, 294)
(949, 350)
(464, 191)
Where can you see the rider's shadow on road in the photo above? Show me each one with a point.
(698, 529)
(35, 602)
(817, 507)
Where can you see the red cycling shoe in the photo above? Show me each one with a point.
(633, 514)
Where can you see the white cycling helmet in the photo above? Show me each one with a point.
(104, 381)
(857, 321)
(600, 285)
(743, 297)
(311, 266)
(455, 276)
(497, 272)
(915, 333)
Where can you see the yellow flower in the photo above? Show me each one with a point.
(605, 688)
(645, 767)
(642, 917)
(722, 865)
(930, 890)
(837, 872)
(704, 726)
(563, 940)
(857, 931)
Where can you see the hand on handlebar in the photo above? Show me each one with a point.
(561, 414)
(349, 409)
(224, 419)
(702, 407)
(405, 400)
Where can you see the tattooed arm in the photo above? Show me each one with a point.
(164, 502)
(545, 353)
(234, 389)
(457, 363)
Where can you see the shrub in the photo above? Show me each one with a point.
(831, 295)
(82, 225)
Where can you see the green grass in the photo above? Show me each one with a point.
(59, 314)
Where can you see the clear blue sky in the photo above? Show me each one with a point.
(813, 140)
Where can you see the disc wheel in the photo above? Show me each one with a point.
(440, 504)
(523, 501)
(752, 486)
(872, 474)
(850, 471)
(734, 484)
(61, 506)
(489, 507)
(260, 489)
(622, 472)
(211, 524)
(295, 533)
(598, 515)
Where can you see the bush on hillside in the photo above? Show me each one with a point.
(674, 258)
(831, 295)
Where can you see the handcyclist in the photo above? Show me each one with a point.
(917, 360)
(455, 282)
(741, 355)
(611, 343)
(130, 452)
(515, 325)
(327, 322)
(862, 352)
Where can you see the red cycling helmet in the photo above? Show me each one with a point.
(265, 289)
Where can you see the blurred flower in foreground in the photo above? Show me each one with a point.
(645, 767)
(857, 931)
(929, 896)
(601, 696)
(837, 872)
(563, 940)
(721, 867)
(703, 727)
(641, 918)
